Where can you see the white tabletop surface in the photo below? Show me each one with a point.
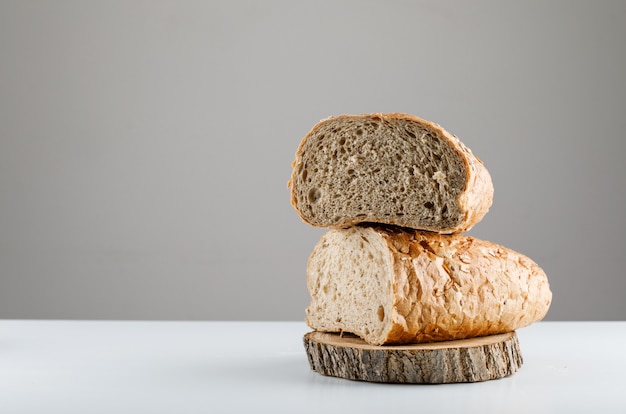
(91, 367)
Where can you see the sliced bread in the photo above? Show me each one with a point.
(392, 286)
(388, 168)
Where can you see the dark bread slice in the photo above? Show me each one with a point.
(388, 168)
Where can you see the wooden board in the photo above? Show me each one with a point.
(467, 360)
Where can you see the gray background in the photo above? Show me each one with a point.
(145, 146)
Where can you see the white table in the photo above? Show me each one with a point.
(91, 367)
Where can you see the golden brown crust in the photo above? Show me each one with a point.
(429, 287)
(452, 286)
(475, 200)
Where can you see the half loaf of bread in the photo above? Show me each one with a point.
(393, 286)
(388, 168)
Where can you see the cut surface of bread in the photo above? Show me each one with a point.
(391, 169)
(397, 286)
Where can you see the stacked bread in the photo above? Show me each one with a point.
(397, 192)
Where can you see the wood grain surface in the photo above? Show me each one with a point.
(469, 360)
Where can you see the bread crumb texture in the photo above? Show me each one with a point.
(393, 286)
(388, 168)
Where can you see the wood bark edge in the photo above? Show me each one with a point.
(468, 360)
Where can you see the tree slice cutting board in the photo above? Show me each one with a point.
(467, 360)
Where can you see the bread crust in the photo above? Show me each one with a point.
(446, 287)
(475, 199)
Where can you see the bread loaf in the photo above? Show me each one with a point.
(388, 168)
(393, 286)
